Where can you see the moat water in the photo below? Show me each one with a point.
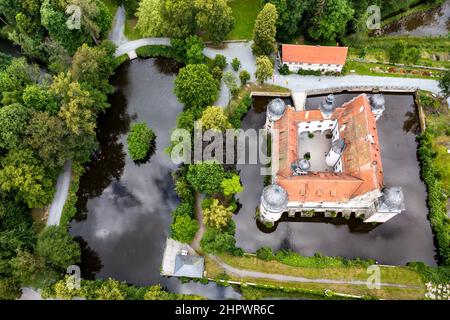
(405, 238)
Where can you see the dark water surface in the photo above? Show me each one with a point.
(124, 209)
(435, 22)
(405, 238)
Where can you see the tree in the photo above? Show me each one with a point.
(48, 137)
(110, 290)
(216, 241)
(149, 18)
(264, 69)
(195, 86)
(219, 61)
(178, 18)
(232, 185)
(397, 52)
(214, 118)
(265, 30)
(39, 98)
(206, 177)
(24, 173)
(13, 121)
(194, 50)
(156, 293)
(9, 289)
(31, 270)
(289, 17)
(244, 76)
(15, 78)
(444, 83)
(214, 17)
(139, 140)
(235, 64)
(58, 248)
(330, 20)
(217, 216)
(230, 81)
(184, 228)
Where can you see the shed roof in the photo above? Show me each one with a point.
(189, 266)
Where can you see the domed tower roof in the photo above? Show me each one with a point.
(338, 146)
(274, 197)
(276, 109)
(327, 106)
(392, 199)
(378, 102)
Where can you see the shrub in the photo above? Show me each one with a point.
(309, 72)
(235, 64)
(184, 228)
(284, 70)
(265, 253)
(139, 141)
(206, 177)
(240, 111)
(244, 76)
(232, 185)
(219, 61)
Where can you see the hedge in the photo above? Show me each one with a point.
(70, 207)
(436, 200)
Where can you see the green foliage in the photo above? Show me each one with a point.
(284, 69)
(230, 81)
(110, 290)
(235, 64)
(184, 209)
(444, 83)
(139, 140)
(436, 199)
(264, 69)
(265, 31)
(214, 118)
(206, 177)
(15, 78)
(265, 253)
(309, 72)
(330, 19)
(22, 172)
(58, 248)
(219, 61)
(219, 241)
(317, 261)
(244, 76)
(195, 86)
(435, 275)
(184, 228)
(289, 17)
(216, 215)
(9, 289)
(215, 17)
(240, 111)
(13, 120)
(38, 97)
(232, 185)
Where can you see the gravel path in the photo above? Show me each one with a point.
(285, 278)
(199, 216)
(62, 191)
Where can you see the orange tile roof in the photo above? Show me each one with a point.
(362, 167)
(314, 54)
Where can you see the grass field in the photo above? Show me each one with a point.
(244, 13)
(397, 275)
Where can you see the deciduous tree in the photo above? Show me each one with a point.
(214, 118)
(264, 69)
(265, 30)
(217, 216)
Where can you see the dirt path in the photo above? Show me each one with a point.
(199, 216)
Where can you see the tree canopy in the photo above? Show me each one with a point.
(265, 30)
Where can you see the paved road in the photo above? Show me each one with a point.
(285, 278)
(62, 191)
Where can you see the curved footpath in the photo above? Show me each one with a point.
(285, 278)
(62, 191)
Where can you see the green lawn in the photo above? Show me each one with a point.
(112, 6)
(244, 13)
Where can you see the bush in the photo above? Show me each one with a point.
(436, 199)
(244, 76)
(240, 111)
(265, 253)
(184, 228)
(184, 208)
(139, 141)
(219, 61)
(206, 177)
(309, 72)
(284, 70)
(235, 64)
